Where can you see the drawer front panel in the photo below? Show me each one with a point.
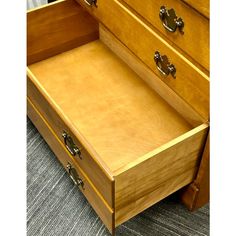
(95, 173)
(101, 208)
(158, 174)
(190, 83)
(195, 39)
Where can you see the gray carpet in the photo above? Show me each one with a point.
(56, 207)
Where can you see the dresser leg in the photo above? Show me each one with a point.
(113, 232)
(196, 194)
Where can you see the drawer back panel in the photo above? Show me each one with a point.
(56, 28)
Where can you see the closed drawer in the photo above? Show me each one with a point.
(68, 15)
(190, 83)
(99, 176)
(193, 38)
(135, 148)
(69, 163)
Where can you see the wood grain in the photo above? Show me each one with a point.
(90, 192)
(56, 28)
(191, 84)
(165, 189)
(95, 168)
(145, 175)
(150, 77)
(202, 6)
(194, 41)
(117, 113)
(197, 194)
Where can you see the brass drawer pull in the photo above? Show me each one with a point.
(170, 21)
(74, 176)
(70, 145)
(163, 65)
(91, 2)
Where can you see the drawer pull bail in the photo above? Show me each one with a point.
(163, 65)
(70, 145)
(74, 176)
(91, 2)
(170, 21)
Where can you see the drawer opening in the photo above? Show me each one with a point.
(118, 114)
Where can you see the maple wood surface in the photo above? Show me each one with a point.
(195, 39)
(191, 84)
(55, 28)
(203, 6)
(108, 103)
(189, 114)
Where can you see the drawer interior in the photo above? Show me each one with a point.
(116, 112)
(111, 106)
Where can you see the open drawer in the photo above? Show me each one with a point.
(132, 146)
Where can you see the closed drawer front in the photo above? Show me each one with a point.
(77, 174)
(95, 173)
(190, 83)
(193, 37)
(202, 6)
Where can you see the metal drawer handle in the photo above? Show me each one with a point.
(74, 176)
(163, 65)
(70, 145)
(170, 21)
(91, 2)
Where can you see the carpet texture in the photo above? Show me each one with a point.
(56, 207)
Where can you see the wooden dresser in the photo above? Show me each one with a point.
(119, 89)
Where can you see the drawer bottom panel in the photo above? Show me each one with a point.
(93, 196)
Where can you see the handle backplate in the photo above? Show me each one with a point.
(170, 21)
(91, 2)
(74, 176)
(70, 145)
(163, 65)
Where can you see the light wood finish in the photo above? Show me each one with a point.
(150, 77)
(191, 84)
(197, 194)
(89, 191)
(95, 168)
(203, 6)
(119, 115)
(194, 41)
(60, 29)
(170, 186)
(139, 179)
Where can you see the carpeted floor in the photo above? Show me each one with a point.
(56, 207)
